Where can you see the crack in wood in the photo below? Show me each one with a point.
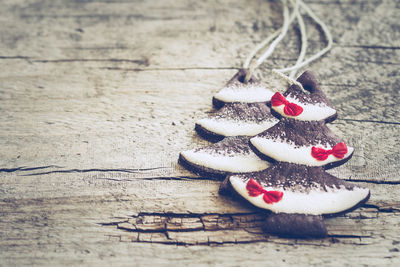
(104, 17)
(159, 178)
(144, 170)
(371, 121)
(23, 168)
(142, 62)
(383, 209)
(169, 69)
(14, 57)
(373, 181)
(372, 47)
(123, 170)
(234, 228)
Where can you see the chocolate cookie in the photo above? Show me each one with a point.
(231, 155)
(309, 105)
(298, 189)
(237, 91)
(303, 142)
(236, 119)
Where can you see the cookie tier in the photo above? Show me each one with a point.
(236, 119)
(310, 104)
(231, 155)
(237, 91)
(292, 188)
(303, 142)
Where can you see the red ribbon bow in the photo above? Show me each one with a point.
(290, 109)
(339, 150)
(255, 189)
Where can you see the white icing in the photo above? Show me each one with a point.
(310, 112)
(315, 202)
(282, 151)
(227, 127)
(230, 163)
(245, 94)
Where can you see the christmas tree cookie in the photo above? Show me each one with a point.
(303, 142)
(297, 183)
(243, 110)
(238, 118)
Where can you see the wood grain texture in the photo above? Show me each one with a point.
(99, 97)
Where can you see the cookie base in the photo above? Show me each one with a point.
(200, 170)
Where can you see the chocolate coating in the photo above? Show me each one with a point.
(237, 79)
(296, 177)
(301, 133)
(240, 112)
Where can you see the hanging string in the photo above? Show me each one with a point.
(303, 38)
(285, 28)
(280, 34)
(260, 46)
(269, 38)
(326, 32)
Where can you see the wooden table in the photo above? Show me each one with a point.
(97, 99)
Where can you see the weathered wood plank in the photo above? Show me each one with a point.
(52, 225)
(99, 97)
(147, 195)
(121, 149)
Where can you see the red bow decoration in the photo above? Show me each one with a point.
(255, 189)
(290, 109)
(339, 150)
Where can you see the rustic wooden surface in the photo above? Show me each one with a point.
(97, 99)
